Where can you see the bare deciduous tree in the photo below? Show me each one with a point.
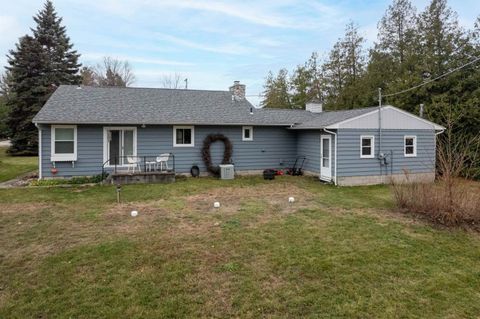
(111, 72)
(172, 81)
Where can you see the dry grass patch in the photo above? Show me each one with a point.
(453, 202)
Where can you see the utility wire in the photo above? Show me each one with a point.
(434, 79)
(413, 87)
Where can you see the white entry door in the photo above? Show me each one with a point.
(326, 158)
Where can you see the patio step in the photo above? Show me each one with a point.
(140, 178)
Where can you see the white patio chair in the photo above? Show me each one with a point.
(162, 161)
(133, 163)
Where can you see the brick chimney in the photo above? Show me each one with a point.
(238, 91)
(314, 106)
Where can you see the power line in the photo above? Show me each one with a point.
(413, 87)
(434, 79)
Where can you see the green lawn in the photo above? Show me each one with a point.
(13, 166)
(335, 252)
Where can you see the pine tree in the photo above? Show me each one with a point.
(334, 70)
(61, 65)
(344, 70)
(37, 66)
(396, 30)
(394, 57)
(443, 46)
(276, 92)
(306, 83)
(28, 91)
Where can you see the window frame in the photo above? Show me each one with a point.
(372, 140)
(176, 127)
(105, 142)
(63, 157)
(245, 139)
(414, 137)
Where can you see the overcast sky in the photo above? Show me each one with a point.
(212, 43)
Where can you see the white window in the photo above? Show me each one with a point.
(410, 146)
(64, 143)
(247, 133)
(367, 146)
(183, 136)
(118, 144)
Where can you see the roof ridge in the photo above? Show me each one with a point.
(141, 88)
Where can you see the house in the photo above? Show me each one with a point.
(82, 129)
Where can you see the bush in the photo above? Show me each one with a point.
(442, 202)
(453, 199)
(69, 181)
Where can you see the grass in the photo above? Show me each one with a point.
(13, 166)
(335, 252)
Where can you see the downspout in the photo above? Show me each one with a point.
(335, 171)
(39, 151)
(380, 123)
(380, 154)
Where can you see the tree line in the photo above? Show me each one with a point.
(412, 48)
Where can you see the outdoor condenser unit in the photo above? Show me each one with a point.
(227, 171)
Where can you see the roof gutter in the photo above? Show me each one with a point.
(164, 124)
(335, 171)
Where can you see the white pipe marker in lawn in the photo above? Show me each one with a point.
(216, 205)
(291, 199)
(134, 213)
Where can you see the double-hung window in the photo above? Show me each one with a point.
(367, 146)
(63, 143)
(247, 133)
(183, 136)
(410, 146)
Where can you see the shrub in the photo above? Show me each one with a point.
(443, 202)
(453, 199)
(70, 181)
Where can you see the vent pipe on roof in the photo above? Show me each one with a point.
(421, 110)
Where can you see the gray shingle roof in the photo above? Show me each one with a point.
(332, 117)
(93, 105)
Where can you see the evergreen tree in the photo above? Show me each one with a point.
(334, 70)
(443, 46)
(344, 70)
(396, 31)
(276, 92)
(306, 83)
(28, 91)
(61, 64)
(393, 59)
(37, 66)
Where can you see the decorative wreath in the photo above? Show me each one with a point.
(207, 159)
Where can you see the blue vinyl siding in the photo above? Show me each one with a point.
(308, 145)
(89, 153)
(271, 147)
(350, 164)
